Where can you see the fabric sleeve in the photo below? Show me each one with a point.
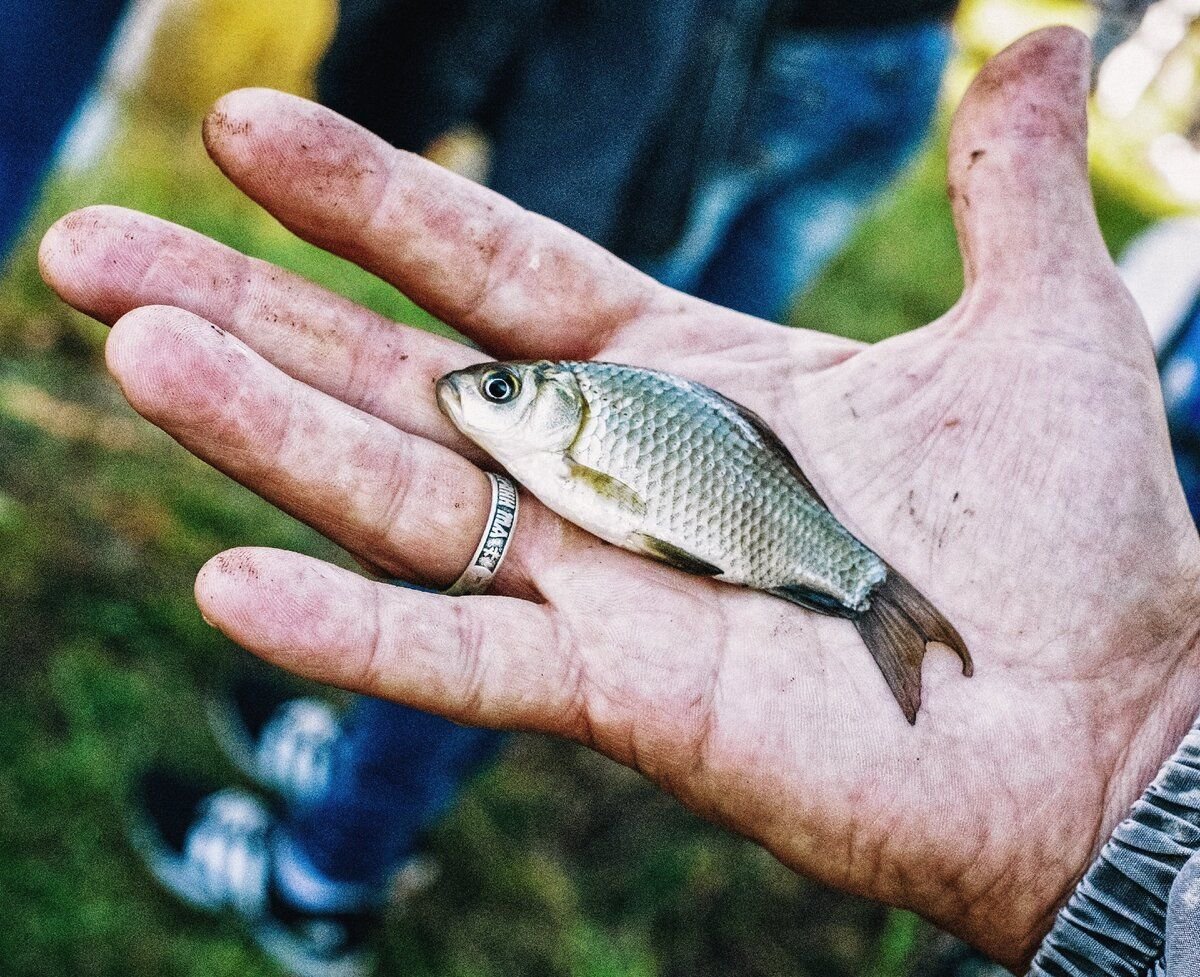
(1182, 956)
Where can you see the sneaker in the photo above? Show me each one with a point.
(282, 743)
(214, 851)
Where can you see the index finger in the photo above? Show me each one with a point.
(517, 283)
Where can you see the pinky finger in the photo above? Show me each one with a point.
(487, 661)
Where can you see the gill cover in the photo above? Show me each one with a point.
(513, 409)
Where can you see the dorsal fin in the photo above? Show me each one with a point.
(771, 439)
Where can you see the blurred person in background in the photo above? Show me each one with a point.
(50, 55)
(1118, 22)
(1161, 267)
(729, 147)
(311, 870)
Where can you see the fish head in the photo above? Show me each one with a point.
(514, 409)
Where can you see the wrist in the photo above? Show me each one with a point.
(1092, 750)
(1148, 826)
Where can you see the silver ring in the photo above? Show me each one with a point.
(493, 544)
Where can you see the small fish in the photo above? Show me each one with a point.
(671, 469)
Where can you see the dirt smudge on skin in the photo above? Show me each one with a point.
(218, 122)
(237, 563)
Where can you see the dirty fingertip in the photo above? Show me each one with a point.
(232, 115)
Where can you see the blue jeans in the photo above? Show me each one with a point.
(394, 772)
(836, 116)
(1179, 367)
(50, 51)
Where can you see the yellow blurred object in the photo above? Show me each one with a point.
(204, 48)
(464, 150)
(70, 421)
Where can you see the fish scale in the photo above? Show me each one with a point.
(712, 485)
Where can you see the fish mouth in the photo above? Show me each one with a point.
(448, 399)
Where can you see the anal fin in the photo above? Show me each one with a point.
(671, 554)
(813, 600)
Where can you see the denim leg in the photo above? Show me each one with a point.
(713, 213)
(394, 772)
(836, 115)
(780, 243)
(1179, 369)
(50, 51)
(568, 137)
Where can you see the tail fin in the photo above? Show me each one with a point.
(896, 629)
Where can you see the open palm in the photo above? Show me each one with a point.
(1011, 459)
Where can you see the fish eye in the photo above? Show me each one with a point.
(499, 386)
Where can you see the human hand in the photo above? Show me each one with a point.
(1011, 459)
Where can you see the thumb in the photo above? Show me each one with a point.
(1018, 165)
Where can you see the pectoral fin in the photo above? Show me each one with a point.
(607, 487)
(671, 554)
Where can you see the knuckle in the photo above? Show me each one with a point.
(472, 664)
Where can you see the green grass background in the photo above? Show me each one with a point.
(557, 861)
